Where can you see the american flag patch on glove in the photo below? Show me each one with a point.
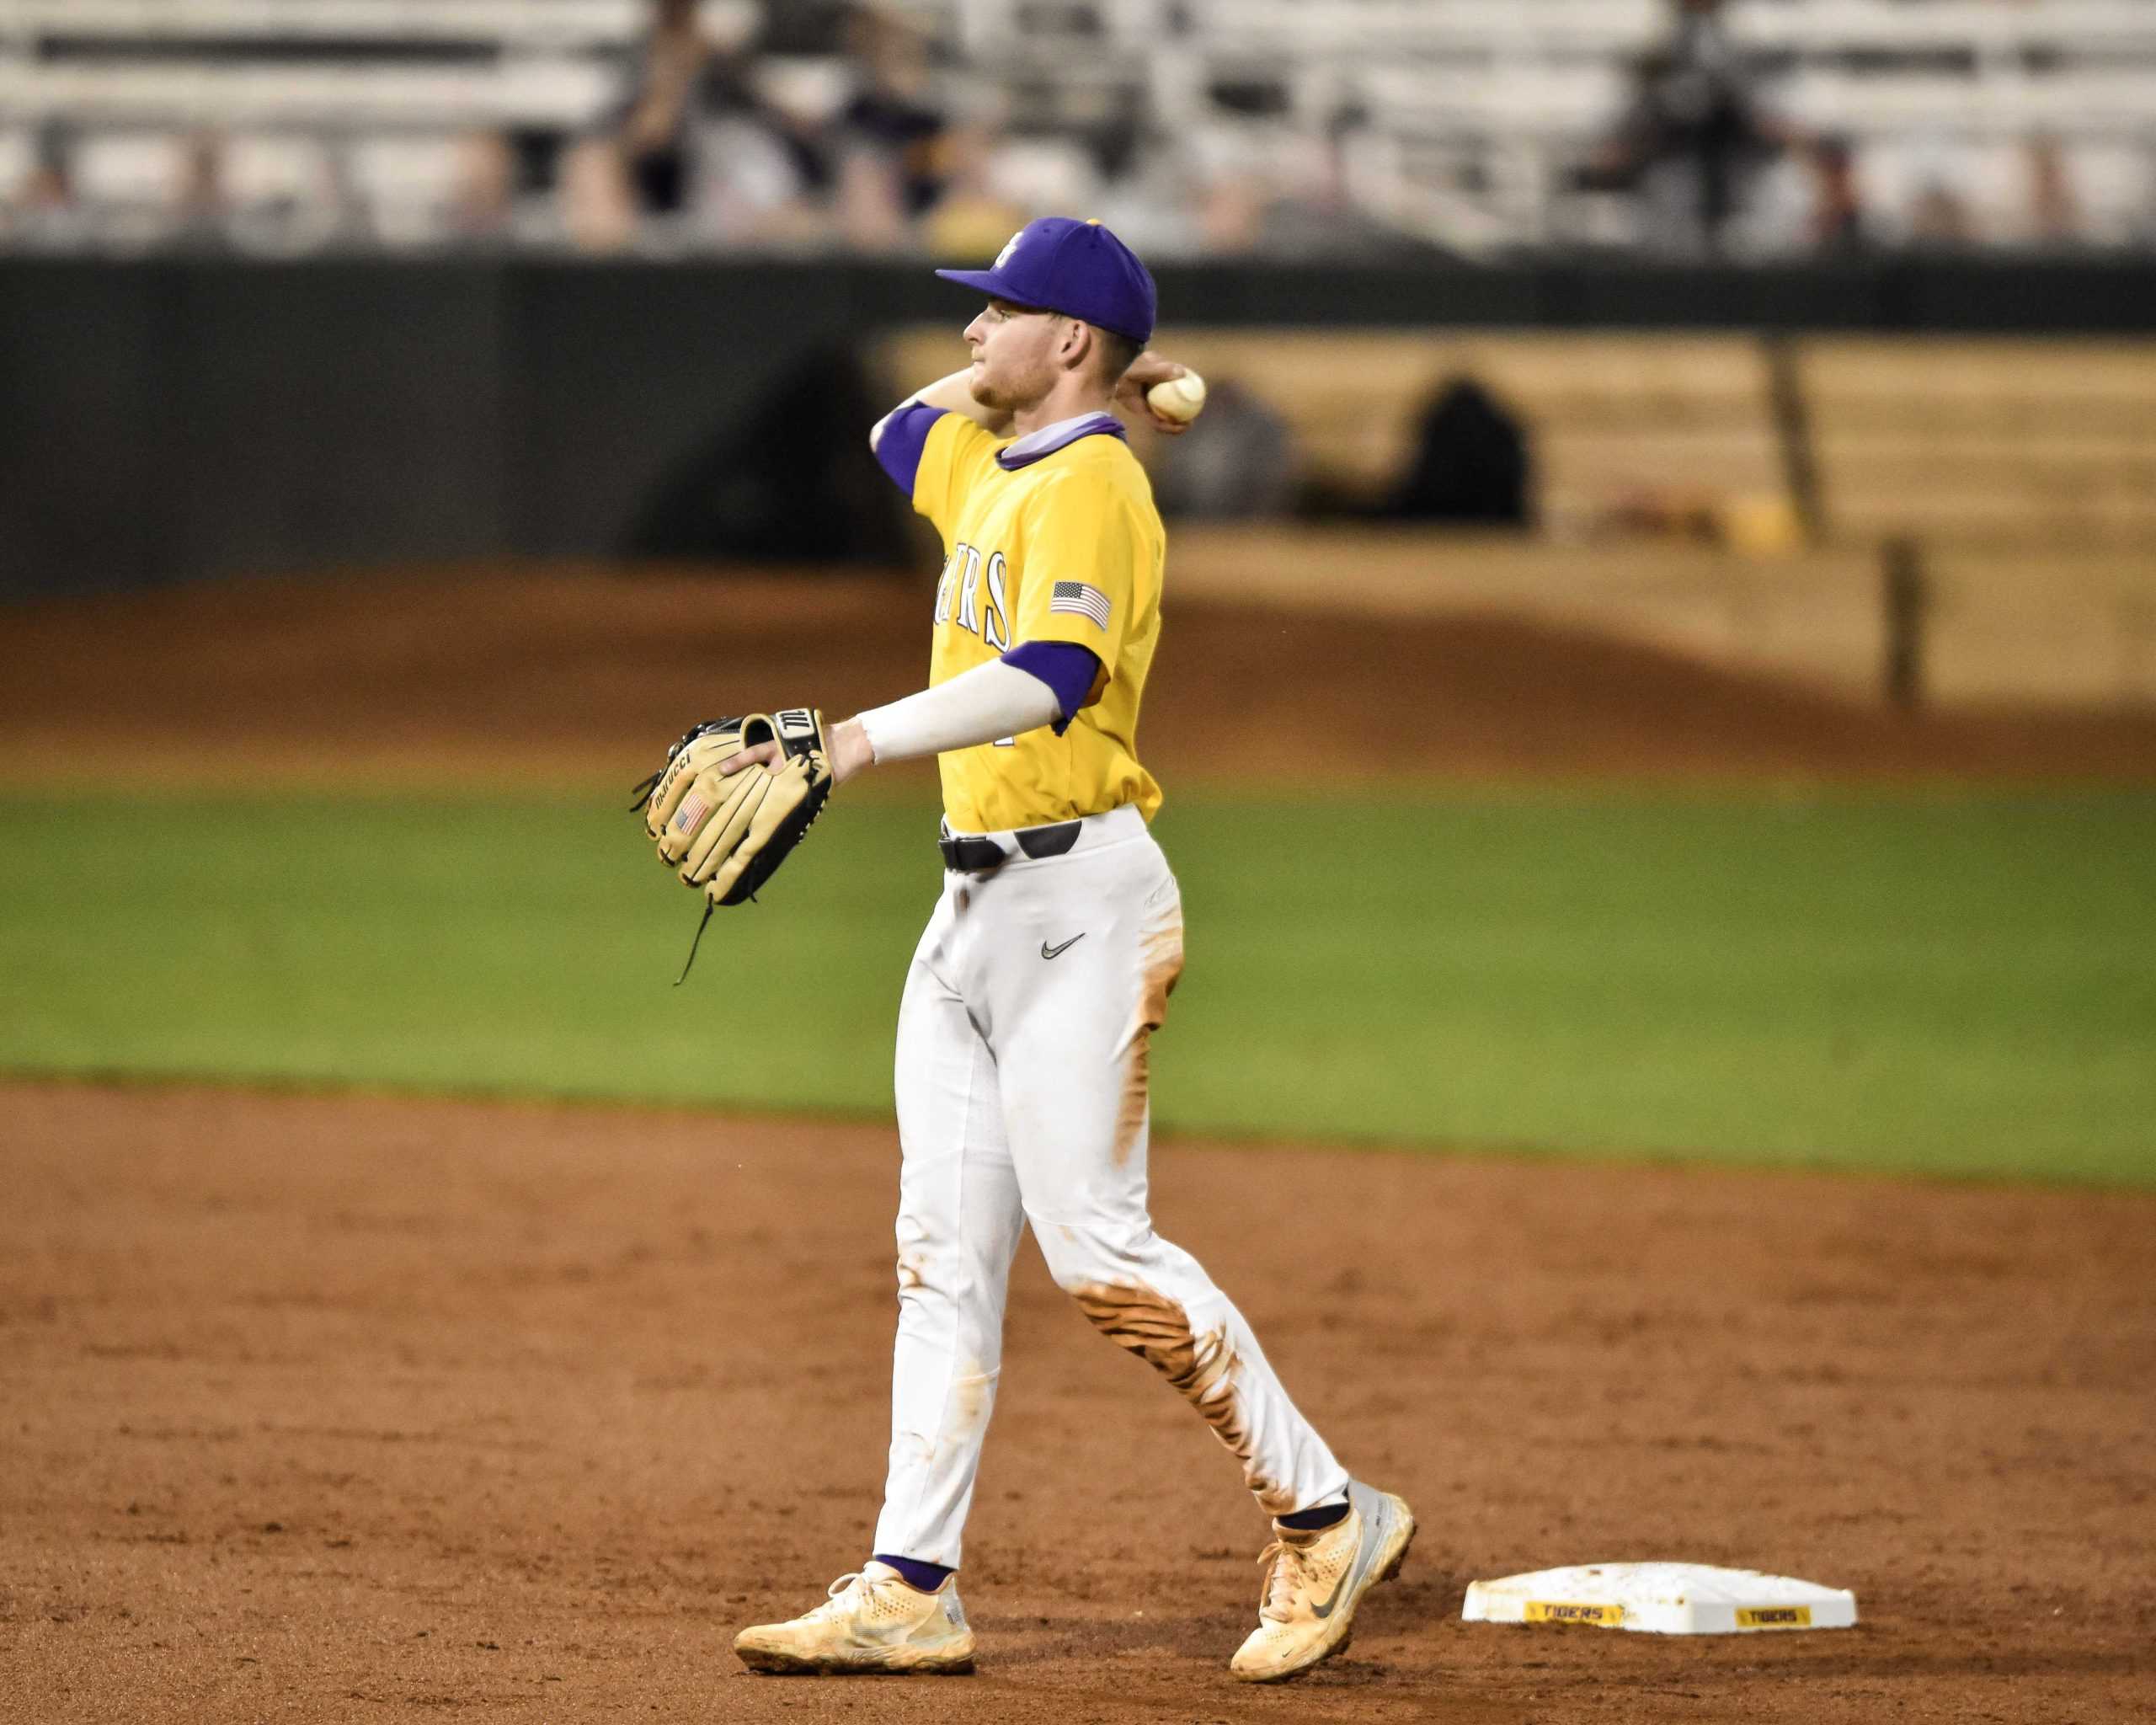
(1081, 597)
(692, 811)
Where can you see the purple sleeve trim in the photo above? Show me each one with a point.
(905, 436)
(1069, 669)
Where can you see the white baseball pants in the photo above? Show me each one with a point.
(1022, 1050)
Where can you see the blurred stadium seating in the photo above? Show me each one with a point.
(1456, 124)
(1786, 368)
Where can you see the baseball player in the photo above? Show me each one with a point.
(1024, 1030)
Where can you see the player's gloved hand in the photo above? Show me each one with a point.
(726, 832)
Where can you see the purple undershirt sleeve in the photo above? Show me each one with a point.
(905, 436)
(1068, 668)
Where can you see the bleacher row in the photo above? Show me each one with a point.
(380, 90)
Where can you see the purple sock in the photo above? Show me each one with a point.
(924, 1578)
(1310, 1520)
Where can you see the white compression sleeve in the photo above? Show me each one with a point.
(990, 701)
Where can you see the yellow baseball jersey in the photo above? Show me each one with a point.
(1067, 547)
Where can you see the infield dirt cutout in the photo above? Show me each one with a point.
(324, 1408)
(315, 1408)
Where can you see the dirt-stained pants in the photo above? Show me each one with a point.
(1022, 1048)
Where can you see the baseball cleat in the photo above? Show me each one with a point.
(1316, 1580)
(872, 1622)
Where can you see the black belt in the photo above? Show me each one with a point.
(978, 856)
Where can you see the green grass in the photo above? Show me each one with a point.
(1959, 985)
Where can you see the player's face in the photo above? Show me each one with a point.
(1014, 349)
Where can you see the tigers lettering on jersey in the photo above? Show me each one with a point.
(981, 604)
(1066, 546)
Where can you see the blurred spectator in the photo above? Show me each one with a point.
(833, 123)
(599, 213)
(1231, 212)
(1940, 218)
(1317, 212)
(891, 114)
(974, 216)
(1243, 467)
(201, 208)
(714, 148)
(868, 203)
(482, 188)
(694, 153)
(1838, 225)
(1693, 136)
(1289, 195)
(2054, 209)
(1471, 466)
(678, 70)
(887, 151)
(48, 214)
(274, 193)
(503, 188)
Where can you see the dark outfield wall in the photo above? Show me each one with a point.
(168, 419)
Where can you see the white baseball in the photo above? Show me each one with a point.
(1178, 398)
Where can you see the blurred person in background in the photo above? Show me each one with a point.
(503, 189)
(679, 71)
(1837, 227)
(278, 195)
(891, 141)
(1940, 218)
(975, 215)
(1244, 468)
(201, 208)
(1690, 145)
(1470, 465)
(2054, 216)
(47, 213)
(1284, 195)
(599, 213)
(838, 141)
(693, 154)
(1314, 212)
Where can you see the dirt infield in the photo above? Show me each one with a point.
(353, 1408)
(377, 1410)
(487, 672)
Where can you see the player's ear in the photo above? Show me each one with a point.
(1077, 343)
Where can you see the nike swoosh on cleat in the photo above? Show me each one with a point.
(1323, 1612)
(1049, 952)
(1376, 1531)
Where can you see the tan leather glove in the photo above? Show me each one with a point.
(728, 833)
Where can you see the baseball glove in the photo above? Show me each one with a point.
(727, 834)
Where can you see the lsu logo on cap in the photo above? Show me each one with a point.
(1010, 246)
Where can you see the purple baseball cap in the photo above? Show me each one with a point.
(1077, 268)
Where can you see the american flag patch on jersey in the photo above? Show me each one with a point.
(1082, 597)
(692, 811)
